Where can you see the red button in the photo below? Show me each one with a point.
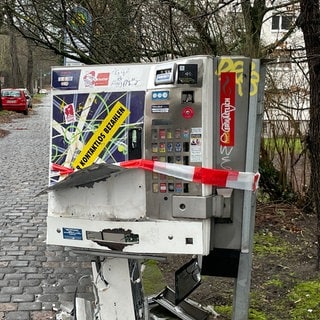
(187, 112)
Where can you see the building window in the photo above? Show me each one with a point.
(281, 22)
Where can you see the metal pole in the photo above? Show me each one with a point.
(241, 299)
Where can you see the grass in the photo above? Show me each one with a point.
(283, 143)
(305, 298)
(226, 312)
(266, 243)
(153, 280)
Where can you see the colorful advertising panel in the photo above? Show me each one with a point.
(94, 112)
(92, 128)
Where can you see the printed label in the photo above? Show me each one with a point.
(72, 233)
(160, 108)
(69, 113)
(102, 136)
(227, 108)
(196, 145)
(160, 95)
(92, 79)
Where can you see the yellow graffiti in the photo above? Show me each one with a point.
(254, 80)
(230, 65)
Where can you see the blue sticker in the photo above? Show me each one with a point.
(160, 95)
(66, 79)
(72, 233)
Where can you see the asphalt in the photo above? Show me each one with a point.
(37, 281)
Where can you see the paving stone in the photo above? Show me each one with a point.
(19, 263)
(23, 298)
(7, 270)
(30, 283)
(13, 283)
(15, 276)
(34, 290)
(5, 298)
(35, 276)
(8, 306)
(30, 306)
(18, 315)
(43, 315)
(4, 283)
(48, 298)
(11, 290)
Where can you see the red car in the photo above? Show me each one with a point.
(14, 100)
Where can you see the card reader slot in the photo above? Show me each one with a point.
(135, 144)
(114, 239)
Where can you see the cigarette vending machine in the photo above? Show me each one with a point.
(155, 159)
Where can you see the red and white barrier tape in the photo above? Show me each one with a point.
(218, 178)
(215, 177)
(61, 169)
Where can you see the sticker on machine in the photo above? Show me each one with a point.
(160, 95)
(196, 145)
(227, 109)
(159, 108)
(72, 233)
(102, 136)
(69, 113)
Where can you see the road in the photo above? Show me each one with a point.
(36, 280)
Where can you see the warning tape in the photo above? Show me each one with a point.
(61, 169)
(215, 177)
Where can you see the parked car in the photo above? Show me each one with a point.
(14, 100)
(28, 96)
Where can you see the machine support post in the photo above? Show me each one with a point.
(241, 300)
(118, 289)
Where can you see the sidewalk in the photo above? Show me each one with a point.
(35, 279)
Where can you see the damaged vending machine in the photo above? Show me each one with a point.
(156, 159)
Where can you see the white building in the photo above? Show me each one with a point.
(286, 98)
(287, 92)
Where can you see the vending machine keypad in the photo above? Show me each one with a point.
(173, 132)
(171, 148)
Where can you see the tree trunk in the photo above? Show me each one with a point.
(29, 83)
(309, 22)
(16, 80)
(253, 14)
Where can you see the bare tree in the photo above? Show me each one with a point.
(309, 21)
(98, 31)
(106, 31)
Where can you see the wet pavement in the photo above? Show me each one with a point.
(36, 280)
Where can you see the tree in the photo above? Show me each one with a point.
(97, 31)
(309, 22)
(106, 31)
(16, 71)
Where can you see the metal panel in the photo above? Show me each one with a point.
(192, 207)
(231, 104)
(121, 196)
(178, 129)
(155, 237)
